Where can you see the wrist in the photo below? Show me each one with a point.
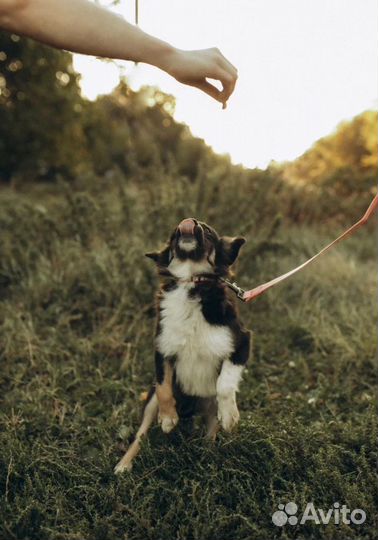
(163, 56)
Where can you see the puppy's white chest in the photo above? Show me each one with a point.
(199, 347)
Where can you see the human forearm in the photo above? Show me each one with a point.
(83, 27)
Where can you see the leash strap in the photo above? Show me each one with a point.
(253, 293)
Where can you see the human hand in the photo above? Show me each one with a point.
(195, 67)
(85, 27)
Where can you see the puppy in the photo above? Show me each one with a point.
(201, 345)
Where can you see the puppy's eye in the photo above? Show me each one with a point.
(210, 239)
(207, 232)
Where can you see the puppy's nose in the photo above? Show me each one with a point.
(187, 226)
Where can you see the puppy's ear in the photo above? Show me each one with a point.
(161, 258)
(230, 247)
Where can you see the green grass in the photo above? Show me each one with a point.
(76, 343)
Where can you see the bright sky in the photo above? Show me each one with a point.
(304, 65)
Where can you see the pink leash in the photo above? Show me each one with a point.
(253, 293)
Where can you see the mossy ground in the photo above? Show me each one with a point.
(76, 336)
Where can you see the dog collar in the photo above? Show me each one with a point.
(198, 279)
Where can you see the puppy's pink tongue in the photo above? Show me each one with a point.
(187, 226)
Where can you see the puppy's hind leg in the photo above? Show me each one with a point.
(149, 416)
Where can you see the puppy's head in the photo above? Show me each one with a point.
(197, 246)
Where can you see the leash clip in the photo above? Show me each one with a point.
(234, 287)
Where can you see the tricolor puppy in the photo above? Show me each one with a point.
(201, 345)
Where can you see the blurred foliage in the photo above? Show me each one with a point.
(352, 146)
(338, 174)
(40, 110)
(86, 189)
(48, 131)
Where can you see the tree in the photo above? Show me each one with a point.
(40, 109)
(352, 146)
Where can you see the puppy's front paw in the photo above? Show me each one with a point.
(168, 420)
(228, 414)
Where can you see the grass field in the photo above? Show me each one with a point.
(76, 343)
